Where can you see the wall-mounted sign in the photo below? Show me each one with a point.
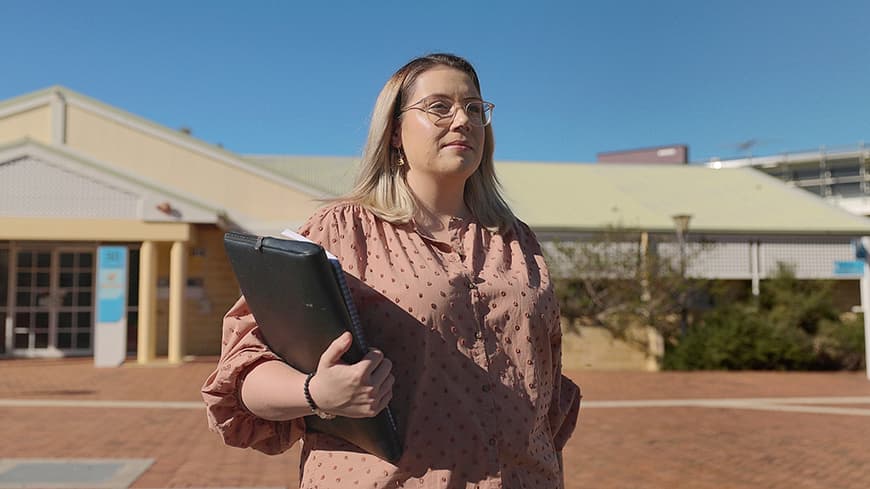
(849, 268)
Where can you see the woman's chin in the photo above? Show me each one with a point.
(460, 165)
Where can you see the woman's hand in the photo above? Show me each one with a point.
(361, 390)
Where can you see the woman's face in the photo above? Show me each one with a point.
(448, 148)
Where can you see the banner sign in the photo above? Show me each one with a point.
(110, 335)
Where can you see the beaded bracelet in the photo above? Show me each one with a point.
(316, 410)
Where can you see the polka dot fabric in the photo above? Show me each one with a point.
(472, 327)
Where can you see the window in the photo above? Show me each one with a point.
(846, 189)
(844, 168)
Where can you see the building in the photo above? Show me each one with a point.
(839, 175)
(673, 154)
(77, 174)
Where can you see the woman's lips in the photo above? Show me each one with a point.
(458, 145)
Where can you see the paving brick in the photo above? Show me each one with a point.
(648, 447)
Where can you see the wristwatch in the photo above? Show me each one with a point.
(314, 409)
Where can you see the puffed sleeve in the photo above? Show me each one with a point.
(341, 229)
(565, 404)
(242, 349)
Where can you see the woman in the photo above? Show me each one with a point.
(453, 290)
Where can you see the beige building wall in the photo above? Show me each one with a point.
(595, 348)
(221, 292)
(204, 305)
(34, 124)
(215, 182)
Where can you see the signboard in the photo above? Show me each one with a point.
(110, 330)
(851, 268)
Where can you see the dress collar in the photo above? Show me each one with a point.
(455, 224)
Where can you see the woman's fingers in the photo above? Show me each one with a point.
(333, 353)
(380, 373)
(386, 396)
(369, 363)
(387, 386)
(357, 391)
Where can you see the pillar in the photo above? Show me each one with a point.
(147, 327)
(177, 285)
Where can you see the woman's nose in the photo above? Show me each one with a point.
(460, 118)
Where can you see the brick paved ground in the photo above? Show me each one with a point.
(638, 447)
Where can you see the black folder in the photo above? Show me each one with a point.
(300, 300)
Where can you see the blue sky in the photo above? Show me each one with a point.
(569, 79)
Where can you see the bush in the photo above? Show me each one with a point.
(799, 303)
(736, 337)
(792, 325)
(840, 345)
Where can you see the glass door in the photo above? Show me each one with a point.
(53, 301)
(75, 315)
(31, 309)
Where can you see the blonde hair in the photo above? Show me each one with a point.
(380, 184)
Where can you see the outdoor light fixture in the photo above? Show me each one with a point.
(681, 221)
(166, 208)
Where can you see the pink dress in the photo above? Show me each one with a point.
(472, 328)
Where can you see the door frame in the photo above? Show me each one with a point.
(55, 305)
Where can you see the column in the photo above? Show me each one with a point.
(147, 342)
(755, 268)
(177, 285)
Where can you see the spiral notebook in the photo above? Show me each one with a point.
(299, 296)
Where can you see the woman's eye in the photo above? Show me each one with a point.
(440, 108)
(475, 109)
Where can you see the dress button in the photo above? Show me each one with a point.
(478, 335)
(485, 388)
(492, 442)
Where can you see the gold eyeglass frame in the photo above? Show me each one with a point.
(439, 120)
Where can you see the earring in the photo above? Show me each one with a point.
(401, 161)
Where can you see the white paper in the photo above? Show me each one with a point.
(287, 233)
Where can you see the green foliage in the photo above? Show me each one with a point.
(799, 303)
(840, 345)
(608, 281)
(792, 325)
(736, 337)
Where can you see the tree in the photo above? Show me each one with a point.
(612, 280)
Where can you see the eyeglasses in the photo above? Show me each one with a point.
(441, 111)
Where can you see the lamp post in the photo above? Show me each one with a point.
(681, 222)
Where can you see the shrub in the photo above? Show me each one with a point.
(800, 303)
(840, 345)
(792, 325)
(736, 337)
